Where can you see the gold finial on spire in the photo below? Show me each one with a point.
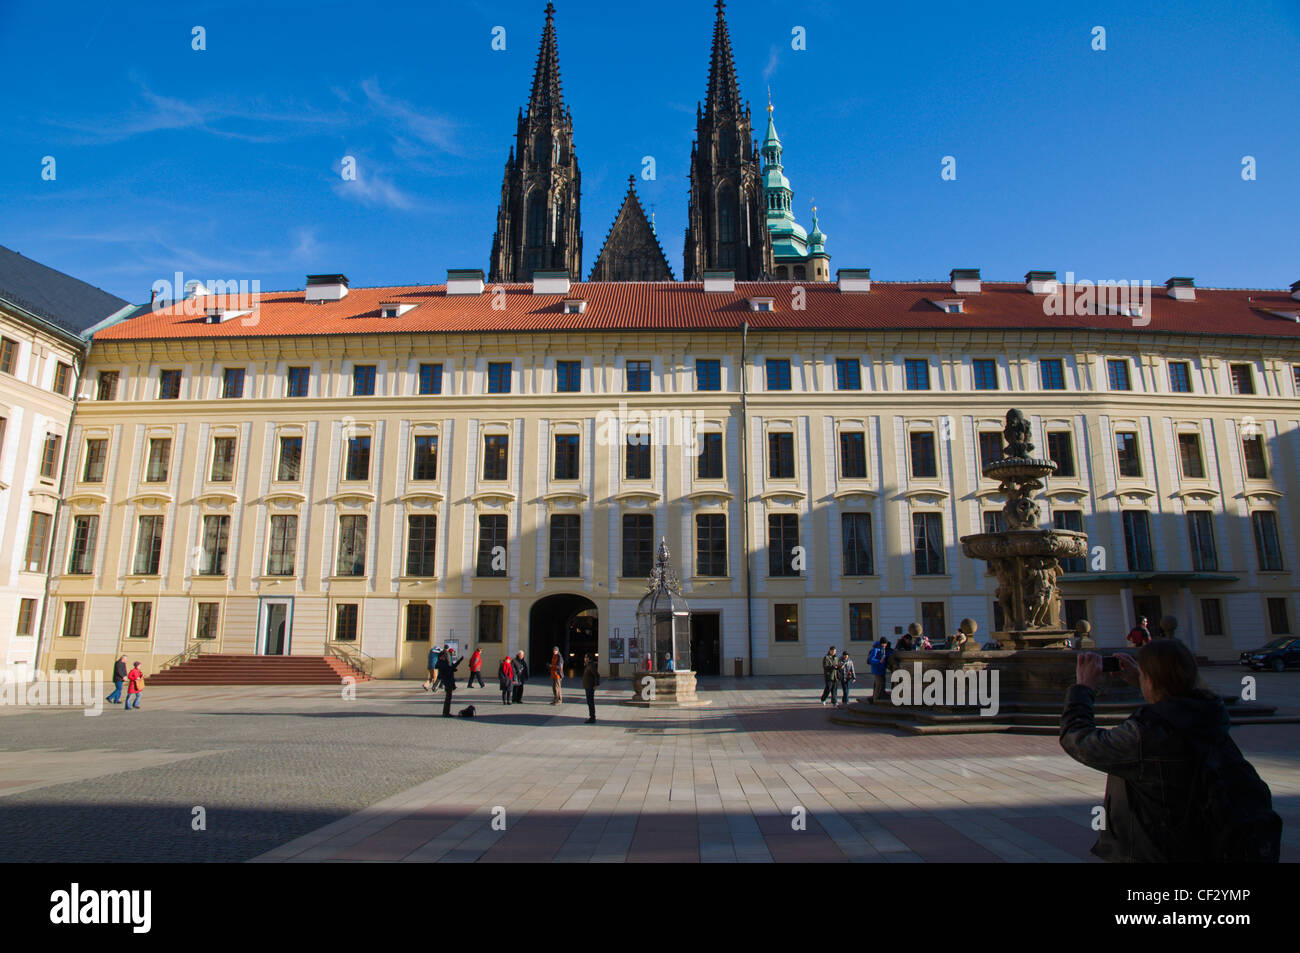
(769, 100)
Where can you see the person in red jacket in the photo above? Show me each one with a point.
(135, 680)
(1140, 634)
(475, 668)
(506, 677)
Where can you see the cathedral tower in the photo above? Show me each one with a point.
(631, 251)
(539, 223)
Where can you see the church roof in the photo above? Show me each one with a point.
(685, 306)
(631, 250)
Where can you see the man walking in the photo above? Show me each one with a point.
(136, 678)
(432, 684)
(119, 677)
(830, 671)
(475, 669)
(521, 676)
(556, 668)
(590, 679)
(447, 676)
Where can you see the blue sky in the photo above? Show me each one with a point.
(224, 163)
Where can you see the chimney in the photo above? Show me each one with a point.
(1042, 282)
(1181, 289)
(854, 279)
(965, 280)
(464, 281)
(723, 281)
(1295, 290)
(550, 282)
(326, 288)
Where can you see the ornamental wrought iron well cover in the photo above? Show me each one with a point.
(663, 627)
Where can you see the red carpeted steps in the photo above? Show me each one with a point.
(256, 670)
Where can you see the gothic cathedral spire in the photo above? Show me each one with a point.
(539, 223)
(726, 222)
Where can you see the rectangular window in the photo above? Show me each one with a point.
(430, 380)
(1117, 374)
(1126, 452)
(421, 545)
(50, 456)
(637, 457)
(298, 381)
(84, 531)
(708, 374)
(96, 456)
(925, 464)
(74, 614)
(169, 385)
(363, 380)
(425, 464)
(859, 551)
(1137, 541)
(38, 542)
(345, 622)
(860, 626)
(208, 615)
(984, 370)
(990, 448)
(141, 617)
(1212, 616)
(638, 545)
(232, 383)
(566, 545)
(8, 355)
(216, 541)
(709, 466)
(160, 451)
(782, 538)
(568, 377)
(223, 460)
(62, 378)
(492, 543)
(933, 619)
(853, 455)
(1071, 520)
(916, 374)
(106, 386)
(1051, 374)
(290, 466)
(780, 456)
(927, 543)
(352, 546)
(1243, 378)
(26, 617)
(566, 456)
(148, 546)
(284, 546)
(496, 457)
(491, 623)
(778, 373)
(1279, 623)
(638, 375)
(1180, 377)
(1060, 450)
(786, 617)
(1252, 448)
(1267, 544)
(1200, 533)
(358, 462)
(995, 521)
(711, 544)
(419, 621)
(848, 373)
(1295, 377)
(1189, 452)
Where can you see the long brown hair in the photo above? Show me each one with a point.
(1170, 667)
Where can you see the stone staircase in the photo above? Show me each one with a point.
(256, 670)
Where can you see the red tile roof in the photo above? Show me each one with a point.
(663, 306)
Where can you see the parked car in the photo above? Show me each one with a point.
(1280, 654)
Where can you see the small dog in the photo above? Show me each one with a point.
(467, 712)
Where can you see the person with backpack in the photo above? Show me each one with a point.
(590, 679)
(446, 676)
(879, 662)
(847, 677)
(830, 672)
(475, 669)
(506, 679)
(1177, 786)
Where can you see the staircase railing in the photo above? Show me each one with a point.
(354, 658)
(192, 651)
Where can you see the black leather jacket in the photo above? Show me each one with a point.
(1150, 761)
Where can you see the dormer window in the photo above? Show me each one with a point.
(574, 305)
(950, 305)
(392, 309)
(761, 304)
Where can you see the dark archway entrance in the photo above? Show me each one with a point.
(706, 643)
(567, 620)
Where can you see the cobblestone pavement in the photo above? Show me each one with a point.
(297, 774)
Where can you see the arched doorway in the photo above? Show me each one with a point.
(567, 620)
